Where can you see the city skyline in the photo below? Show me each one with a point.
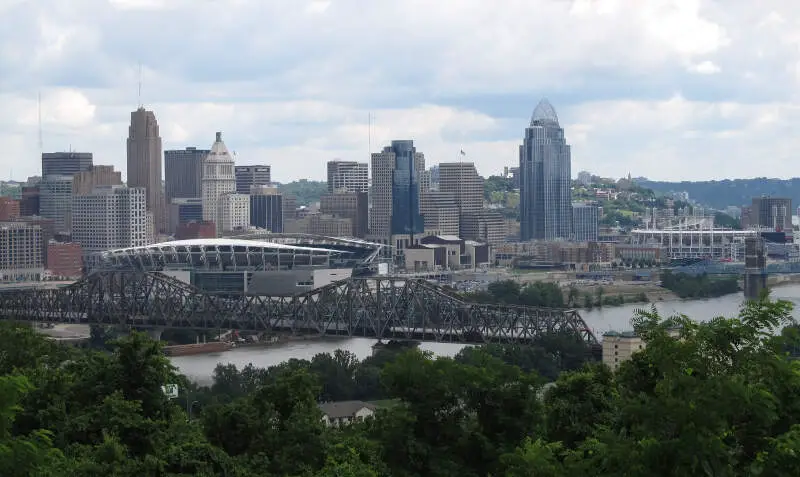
(690, 90)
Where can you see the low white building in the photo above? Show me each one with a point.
(342, 413)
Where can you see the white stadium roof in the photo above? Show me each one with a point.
(221, 242)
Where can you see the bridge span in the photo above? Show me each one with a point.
(373, 307)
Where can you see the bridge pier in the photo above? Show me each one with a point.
(755, 271)
(755, 282)
(155, 333)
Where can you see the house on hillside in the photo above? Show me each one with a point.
(342, 413)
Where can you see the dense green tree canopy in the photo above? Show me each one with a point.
(715, 398)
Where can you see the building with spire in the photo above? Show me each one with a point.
(144, 163)
(218, 178)
(545, 178)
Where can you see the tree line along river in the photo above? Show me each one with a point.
(600, 320)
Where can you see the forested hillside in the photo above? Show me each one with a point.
(738, 192)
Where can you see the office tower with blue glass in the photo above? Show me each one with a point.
(545, 178)
(395, 218)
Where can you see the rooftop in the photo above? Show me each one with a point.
(341, 409)
(221, 242)
(544, 114)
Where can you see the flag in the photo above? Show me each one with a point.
(463, 153)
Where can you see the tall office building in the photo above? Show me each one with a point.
(65, 163)
(184, 210)
(233, 213)
(249, 176)
(144, 163)
(218, 178)
(440, 212)
(395, 191)
(183, 173)
(348, 176)
(266, 208)
(462, 180)
(84, 182)
(585, 219)
(774, 213)
(546, 183)
(348, 205)
(109, 217)
(55, 201)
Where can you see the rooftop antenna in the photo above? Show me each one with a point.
(41, 143)
(140, 85)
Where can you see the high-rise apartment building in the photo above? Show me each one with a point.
(234, 212)
(218, 178)
(183, 173)
(144, 163)
(21, 250)
(109, 217)
(249, 176)
(65, 163)
(585, 219)
(348, 176)
(55, 201)
(84, 182)
(348, 205)
(545, 178)
(266, 208)
(395, 191)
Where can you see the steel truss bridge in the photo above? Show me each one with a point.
(374, 307)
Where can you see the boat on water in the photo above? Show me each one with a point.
(198, 348)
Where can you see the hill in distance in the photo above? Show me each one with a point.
(724, 193)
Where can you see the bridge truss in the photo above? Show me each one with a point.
(375, 307)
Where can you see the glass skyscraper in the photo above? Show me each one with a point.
(406, 218)
(545, 178)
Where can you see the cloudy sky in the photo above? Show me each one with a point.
(668, 89)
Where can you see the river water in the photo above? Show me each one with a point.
(600, 320)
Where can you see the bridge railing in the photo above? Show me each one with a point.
(378, 307)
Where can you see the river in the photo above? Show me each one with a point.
(600, 320)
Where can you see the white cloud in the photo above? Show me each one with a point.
(664, 88)
(705, 68)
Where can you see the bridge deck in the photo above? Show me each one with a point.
(376, 307)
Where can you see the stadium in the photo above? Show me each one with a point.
(254, 264)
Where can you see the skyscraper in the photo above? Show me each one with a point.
(545, 183)
(395, 191)
(183, 173)
(144, 163)
(249, 176)
(109, 217)
(218, 179)
(65, 163)
(348, 176)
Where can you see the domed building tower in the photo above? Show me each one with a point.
(545, 178)
(218, 178)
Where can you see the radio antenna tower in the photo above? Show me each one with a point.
(41, 142)
(139, 98)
